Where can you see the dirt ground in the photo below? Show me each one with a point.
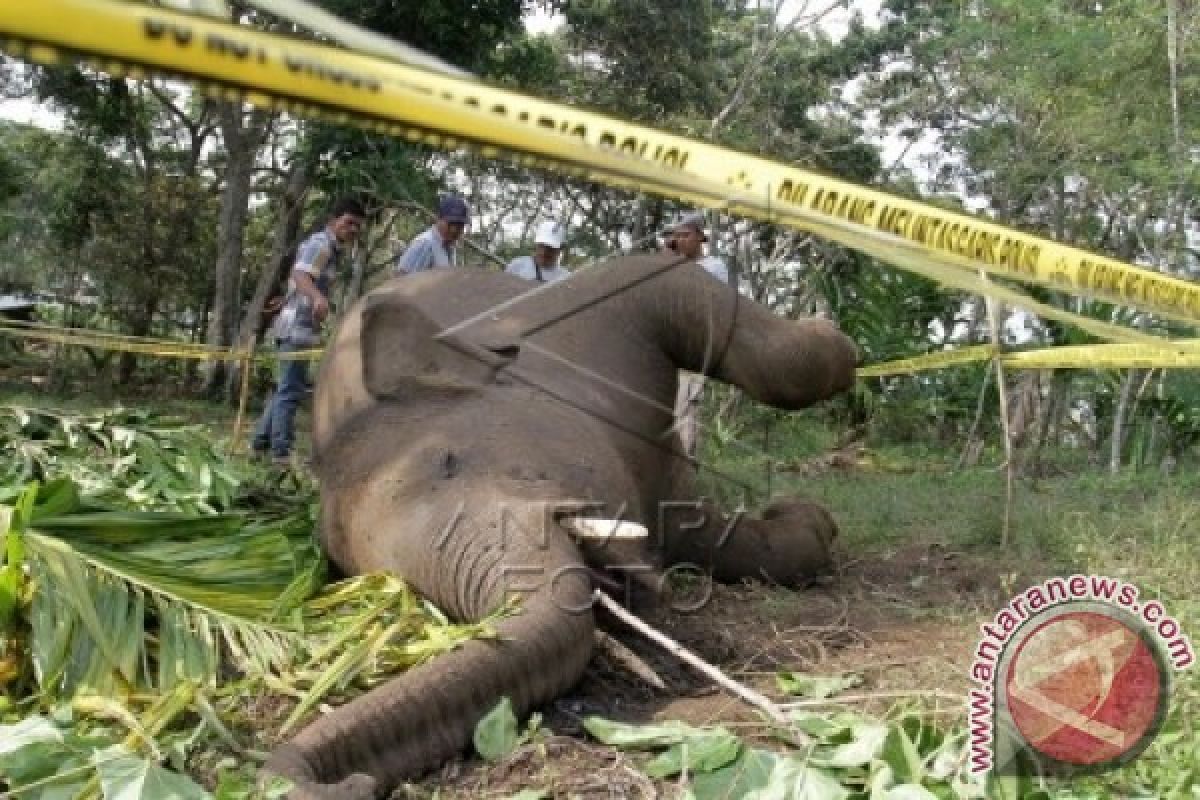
(904, 621)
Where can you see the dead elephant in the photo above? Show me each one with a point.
(459, 456)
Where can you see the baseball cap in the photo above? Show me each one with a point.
(694, 219)
(550, 234)
(454, 208)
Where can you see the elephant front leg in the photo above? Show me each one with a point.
(789, 542)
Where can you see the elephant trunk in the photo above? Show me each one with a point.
(706, 326)
(427, 715)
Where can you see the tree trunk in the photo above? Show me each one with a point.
(1120, 421)
(242, 134)
(141, 327)
(287, 232)
(973, 449)
(1049, 413)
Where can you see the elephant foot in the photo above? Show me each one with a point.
(789, 543)
(356, 787)
(289, 763)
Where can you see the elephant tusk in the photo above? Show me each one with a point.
(604, 529)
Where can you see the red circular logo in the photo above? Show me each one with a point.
(1084, 688)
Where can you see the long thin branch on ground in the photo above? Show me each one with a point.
(762, 703)
(850, 699)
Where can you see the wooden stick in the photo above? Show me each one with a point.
(847, 699)
(1009, 460)
(624, 657)
(774, 712)
(246, 362)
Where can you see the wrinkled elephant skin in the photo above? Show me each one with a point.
(449, 454)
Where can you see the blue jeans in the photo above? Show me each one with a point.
(276, 426)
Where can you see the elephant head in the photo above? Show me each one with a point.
(464, 425)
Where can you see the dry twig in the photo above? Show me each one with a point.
(759, 701)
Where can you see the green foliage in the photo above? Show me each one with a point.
(496, 735)
(366, 629)
(117, 601)
(849, 754)
(816, 687)
(139, 607)
(122, 457)
(462, 32)
(1096, 112)
(683, 748)
(675, 42)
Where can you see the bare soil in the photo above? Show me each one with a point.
(904, 621)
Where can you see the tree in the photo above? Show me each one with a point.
(1070, 118)
(138, 205)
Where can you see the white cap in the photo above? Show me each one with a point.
(550, 234)
(694, 220)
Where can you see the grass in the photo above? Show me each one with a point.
(1141, 527)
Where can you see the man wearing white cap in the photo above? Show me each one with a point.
(687, 237)
(542, 266)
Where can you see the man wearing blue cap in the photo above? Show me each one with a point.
(435, 248)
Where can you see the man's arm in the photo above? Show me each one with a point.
(307, 287)
(313, 259)
(417, 258)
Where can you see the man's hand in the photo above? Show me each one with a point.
(320, 309)
(320, 305)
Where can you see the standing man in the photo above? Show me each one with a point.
(687, 238)
(298, 326)
(436, 247)
(542, 266)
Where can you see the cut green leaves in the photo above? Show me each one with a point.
(816, 687)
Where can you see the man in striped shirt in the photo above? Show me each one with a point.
(299, 324)
(436, 247)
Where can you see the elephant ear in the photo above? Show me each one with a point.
(401, 350)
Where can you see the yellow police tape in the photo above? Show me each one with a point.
(91, 334)
(1177, 354)
(309, 79)
(1186, 355)
(99, 340)
(1102, 356)
(939, 360)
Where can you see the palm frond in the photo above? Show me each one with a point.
(122, 601)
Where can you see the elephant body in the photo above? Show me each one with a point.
(460, 417)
